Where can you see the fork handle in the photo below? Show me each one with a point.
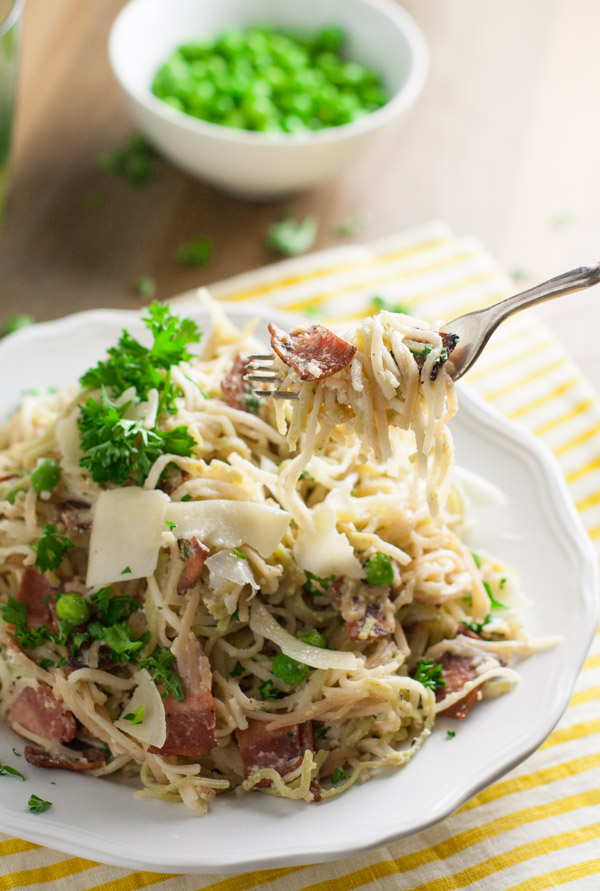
(574, 280)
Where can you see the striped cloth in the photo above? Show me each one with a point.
(540, 826)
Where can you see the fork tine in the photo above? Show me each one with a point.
(276, 394)
(262, 378)
(269, 356)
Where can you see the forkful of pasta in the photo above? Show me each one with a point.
(392, 342)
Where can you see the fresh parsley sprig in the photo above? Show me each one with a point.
(130, 364)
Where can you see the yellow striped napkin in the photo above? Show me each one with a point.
(540, 826)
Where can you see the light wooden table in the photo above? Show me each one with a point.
(504, 144)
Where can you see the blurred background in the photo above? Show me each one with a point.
(503, 143)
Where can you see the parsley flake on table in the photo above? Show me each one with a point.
(7, 770)
(195, 253)
(136, 162)
(429, 674)
(291, 237)
(145, 286)
(37, 805)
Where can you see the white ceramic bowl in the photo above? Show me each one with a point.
(257, 165)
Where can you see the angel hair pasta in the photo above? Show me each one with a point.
(211, 589)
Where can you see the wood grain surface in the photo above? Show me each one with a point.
(504, 144)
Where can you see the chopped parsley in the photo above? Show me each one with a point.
(291, 237)
(136, 716)
(159, 665)
(126, 571)
(339, 776)
(429, 674)
(238, 670)
(135, 162)
(380, 571)
(305, 475)
(187, 497)
(37, 805)
(252, 403)
(14, 612)
(477, 627)
(321, 732)
(45, 663)
(145, 286)
(111, 609)
(316, 585)
(118, 637)
(379, 303)
(450, 734)
(268, 690)
(239, 554)
(352, 224)
(494, 604)
(51, 548)
(476, 559)
(7, 770)
(170, 525)
(195, 253)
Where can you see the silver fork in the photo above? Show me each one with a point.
(475, 328)
(471, 332)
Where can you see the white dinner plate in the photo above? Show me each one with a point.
(537, 531)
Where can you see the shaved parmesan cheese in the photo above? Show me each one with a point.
(263, 623)
(67, 437)
(326, 551)
(226, 567)
(126, 535)
(229, 524)
(153, 727)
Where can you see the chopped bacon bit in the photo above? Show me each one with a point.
(281, 749)
(456, 672)
(88, 759)
(468, 632)
(35, 591)
(76, 515)
(191, 722)
(194, 554)
(314, 353)
(39, 712)
(376, 625)
(8, 476)
(173, 480)
(366, 618)
(237, 392)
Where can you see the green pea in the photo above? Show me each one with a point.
(73, 608)
(313, 637)
(45, 477)
(380, 570)
(289, 670)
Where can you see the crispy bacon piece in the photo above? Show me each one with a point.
(194, 555)
(35, 592)
(87, 759)
(76, 515)
(282, 749)
(314, 353)
(39, 712)
(237, 392)
(191, 722)
(366, 618)
(172, 479)
(457, 671)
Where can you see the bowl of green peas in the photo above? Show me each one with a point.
(263, 98)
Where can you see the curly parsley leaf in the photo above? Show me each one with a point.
(37, 805)
(339, 776)
(51, 548)
(118, 450)
(113, 609)
(268, 690)
(159, 665)
(316, 585)
(429, 674)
